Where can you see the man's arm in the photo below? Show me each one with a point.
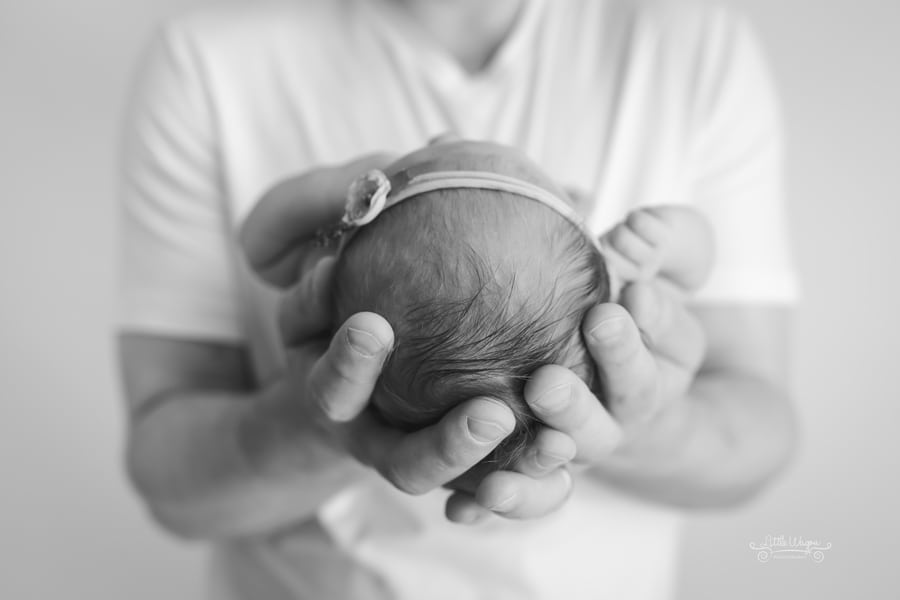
(195, 447)
(212, 457)
(733, 431)
(711, 440)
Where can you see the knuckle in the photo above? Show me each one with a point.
(647, 392)
(647, 309)
(446, 452)
(637, 404)
(642, 404)
(318, 395)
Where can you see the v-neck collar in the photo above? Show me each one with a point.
(409, 43)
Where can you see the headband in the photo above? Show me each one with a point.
(371, 194)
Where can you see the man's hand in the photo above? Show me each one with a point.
(648, 350)
(335, 376)
(337, 390)
(640, 380)
(684, 424)
(340, 382)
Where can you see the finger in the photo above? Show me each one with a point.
(342, 380)
(619, 266)
(470, 480)
(562, 401)
(630, 246)
(550, 450)
(293, 211)
(648, 225)
(418, 462)
(463, 509)
(628, 369)
(670, 329)
(617, 261)
(306, 309)
(516, 496)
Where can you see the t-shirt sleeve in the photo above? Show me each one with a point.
(176, 259)
(736, 169)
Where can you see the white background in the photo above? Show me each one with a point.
(69, 526)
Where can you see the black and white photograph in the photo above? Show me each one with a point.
(450, 299)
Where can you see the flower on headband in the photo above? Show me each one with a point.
(365, 199)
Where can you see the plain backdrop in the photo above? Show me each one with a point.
(71, 529)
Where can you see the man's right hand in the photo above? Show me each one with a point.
(331, 380)
(338, 387)
(334, 376)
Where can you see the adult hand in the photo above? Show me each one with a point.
(340, 381)
(340, 384)
(648, 350)
(338, 375)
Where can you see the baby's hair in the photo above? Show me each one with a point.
(481, 288)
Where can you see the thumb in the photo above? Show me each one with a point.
(342, 380)
(628, 369)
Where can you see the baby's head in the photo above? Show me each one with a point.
(481, 287)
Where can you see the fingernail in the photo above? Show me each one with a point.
(471, 516)
(549, 461)
(555, 398)
(466, 517)
(568, 479)
(364, 342)
(485, 431)
(503, 505)
(608, 330)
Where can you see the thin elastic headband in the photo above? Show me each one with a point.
(370, 195)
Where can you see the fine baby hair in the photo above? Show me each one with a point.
(482, 269)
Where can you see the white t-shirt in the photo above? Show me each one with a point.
(629, 102)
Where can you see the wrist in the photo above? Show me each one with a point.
(658, 440)
(279, 437)
(704, 450)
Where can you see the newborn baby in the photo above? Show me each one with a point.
(484, 271)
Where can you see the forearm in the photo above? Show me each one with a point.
(717, 447)
(213, 464)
